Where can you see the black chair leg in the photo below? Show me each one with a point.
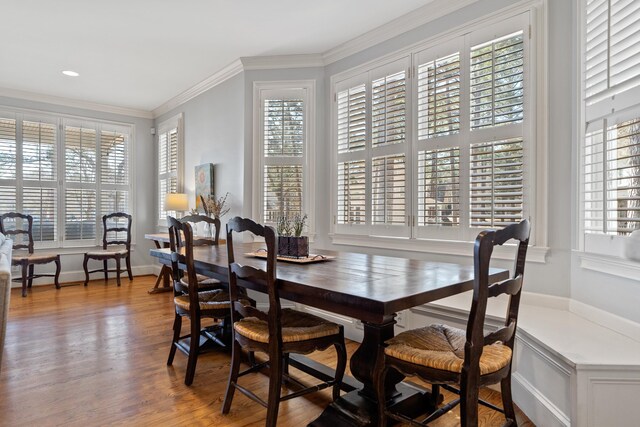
(275, 385)
(105, 265)
(236, 354)
(86, 270)
(31, 268)
(507, 401)
(128, 259)
(194, 346)
(25, 272)
(177, 327)
(56, 279)
(117, 270)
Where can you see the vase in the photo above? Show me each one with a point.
(299, 246)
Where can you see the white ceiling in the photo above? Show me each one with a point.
(140, 53)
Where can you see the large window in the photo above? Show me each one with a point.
(170, 151)
(610, 159)
(283, 122)
(65, 172)
(437, 143)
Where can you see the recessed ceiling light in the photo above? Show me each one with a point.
(70, 73)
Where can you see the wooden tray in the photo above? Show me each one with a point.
(308, 260)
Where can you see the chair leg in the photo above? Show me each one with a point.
(194, 346)
(341, 352)
(468, 404)
(31, 268)
(25, 272)
(117, 270)
(128, 259)
(86, 270)
(507, 401)
(285, 363)
(236, 354)
(275, 385)
(105, 265)
(56, 279)
(177, 327)
(435, 395)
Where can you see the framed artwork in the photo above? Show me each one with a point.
(204, 183)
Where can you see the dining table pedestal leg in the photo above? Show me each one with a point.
(360, 407)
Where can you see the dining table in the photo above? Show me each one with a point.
(369, 288)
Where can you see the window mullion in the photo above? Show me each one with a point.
(19, 162)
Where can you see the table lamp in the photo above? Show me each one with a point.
(177, 202)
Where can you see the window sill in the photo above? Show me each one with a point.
(614, 266)
(443, 247)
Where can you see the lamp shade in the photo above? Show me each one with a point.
(176, 202)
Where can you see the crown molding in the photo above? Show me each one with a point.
(222, 75)
(75, 103)
(282, 61)
(430, 12)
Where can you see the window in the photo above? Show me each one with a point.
(65, 172)
(283, 123)
(433, 145)
(610, 159)
(170, 154)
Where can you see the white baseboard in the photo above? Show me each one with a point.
(534, 403)
(78, 276)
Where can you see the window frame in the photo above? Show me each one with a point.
(617, 102)
(166, 126)
(534, 130)
(307, 90)
(60, 183)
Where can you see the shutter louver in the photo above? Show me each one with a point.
(352, 119)
(624, 42)
(114, 201)
(439, 187)
(388, 109)
(439, 97)
(497, 78)
(80, 154)
(7, 199)
(283, 128)
(7, 149)
(282, 192)
(42, 204)
(352, 192)
(597, 45)
(113, 158)
(593, 183)
(80, 214)
(167, 169)
(39, 156)
(388, 190)
(496, 183)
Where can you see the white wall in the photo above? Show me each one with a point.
(143, 195)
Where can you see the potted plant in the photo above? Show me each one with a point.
(291, 242)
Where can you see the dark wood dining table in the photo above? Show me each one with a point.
(371, 288)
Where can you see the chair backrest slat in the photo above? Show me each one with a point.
(503, 334)
(509, 286)
(107, 228)
(17, 217)
(211, 222)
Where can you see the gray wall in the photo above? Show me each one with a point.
(214, 133)
(143, 178)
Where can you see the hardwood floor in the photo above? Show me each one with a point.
(96, 355)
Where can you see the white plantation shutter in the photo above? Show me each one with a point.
(80, 214)
(80, 154)
(439, 97)
(610, 161)
(496, 183)
(612, 48)
(496, 88)
(388, 110)
(352, 119)
(114, 168)
(439, 187)
(7, 199)
(282, 161)
(169, 146)
(42, 204)
(7, 148)
(388, 203)
(39, 151)
(352, 202)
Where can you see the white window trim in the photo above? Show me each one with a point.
(538, 131)
(177, 122)
(308, 195)
(604, 252)
(60, 120)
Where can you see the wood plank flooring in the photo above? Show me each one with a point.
(96, 355)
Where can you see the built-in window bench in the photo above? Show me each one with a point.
(568, 370)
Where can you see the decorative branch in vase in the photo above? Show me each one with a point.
(215, 206)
